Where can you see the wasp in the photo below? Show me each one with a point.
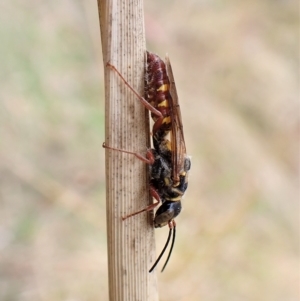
(168, 159)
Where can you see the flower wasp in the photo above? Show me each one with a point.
(168, 160)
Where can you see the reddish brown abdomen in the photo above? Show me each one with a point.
(157, 93)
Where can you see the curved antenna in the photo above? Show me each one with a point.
(172, 245)
(162, 252)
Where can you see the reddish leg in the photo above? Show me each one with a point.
(172, 224)
(155, 195)
(145, 103)
(149, 159)
(157, 124)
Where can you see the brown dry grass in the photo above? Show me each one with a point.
(236, 66)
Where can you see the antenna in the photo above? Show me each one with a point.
(172, 226)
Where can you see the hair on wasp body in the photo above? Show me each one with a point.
(169, 164)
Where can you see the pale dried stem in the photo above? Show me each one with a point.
(131, 247)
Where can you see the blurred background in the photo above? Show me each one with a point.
(236, 66)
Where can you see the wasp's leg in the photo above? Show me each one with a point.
(145, 103)
(149, 158)
(155, 195)
(158, 124)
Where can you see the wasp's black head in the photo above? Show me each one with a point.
(166, 212)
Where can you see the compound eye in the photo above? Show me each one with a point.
(166, 212)
(162, 219)
(187, 164)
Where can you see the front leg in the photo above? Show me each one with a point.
(155, 195)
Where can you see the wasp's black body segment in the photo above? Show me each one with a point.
(168, 160)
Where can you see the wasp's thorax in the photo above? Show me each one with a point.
(166, 212)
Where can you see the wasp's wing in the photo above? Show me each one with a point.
(177, 137)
